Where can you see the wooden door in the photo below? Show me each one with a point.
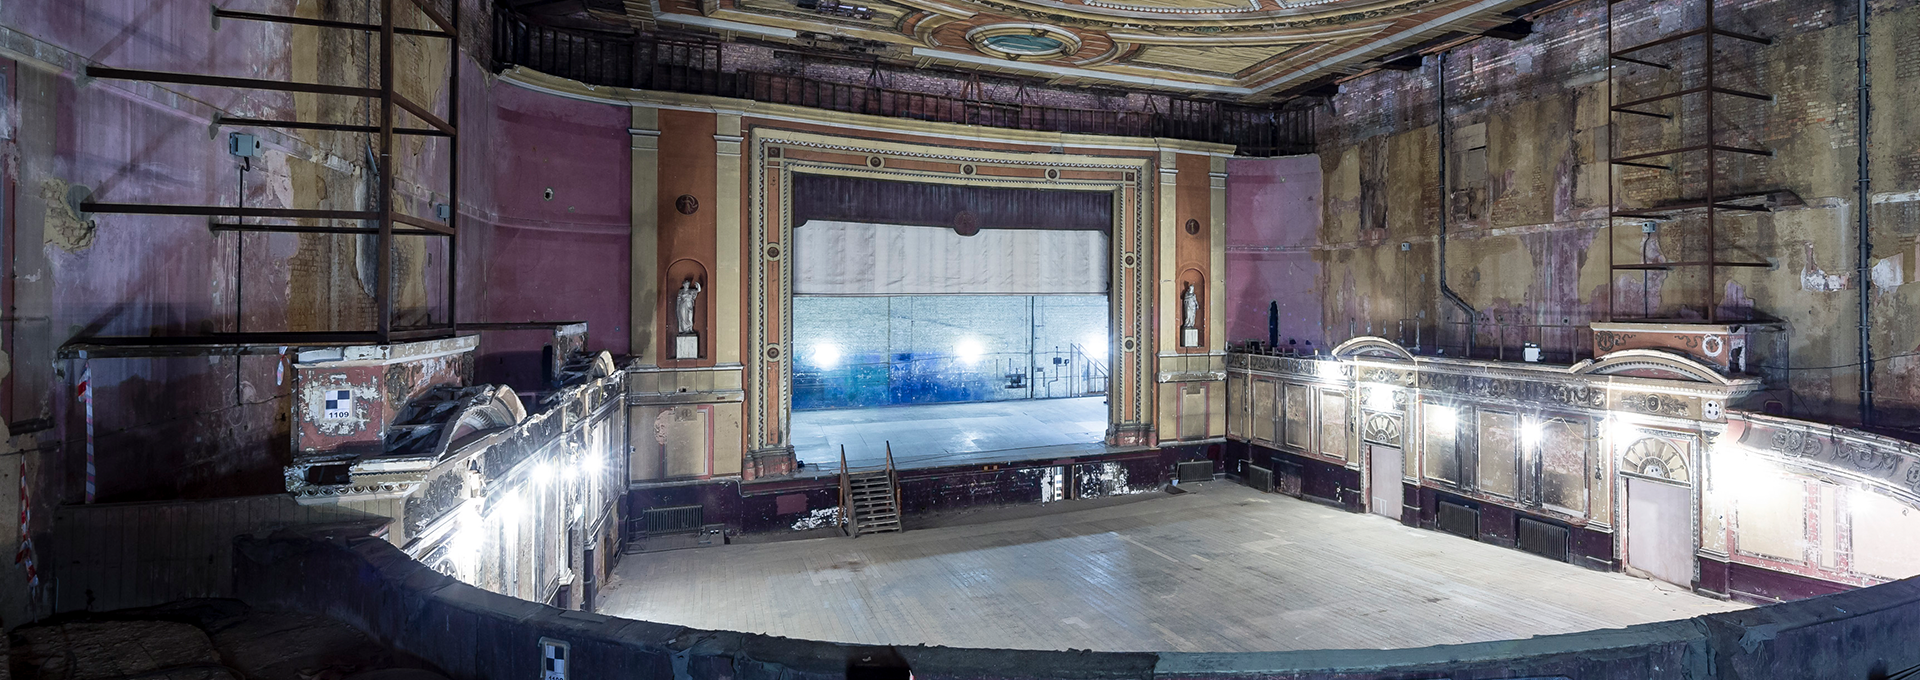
(1385, 485)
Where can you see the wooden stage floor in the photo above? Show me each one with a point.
(1222, 568)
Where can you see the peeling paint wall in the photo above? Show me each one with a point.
(1527, 199)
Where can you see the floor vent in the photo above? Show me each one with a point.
(1260, 478)
(1459, 520)
(1195, 471)
(1543, 539)
(682, 519)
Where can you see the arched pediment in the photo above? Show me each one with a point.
(1372, 346)
(1651, 363)
(495, 407)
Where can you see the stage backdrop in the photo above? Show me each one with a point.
(845, 258)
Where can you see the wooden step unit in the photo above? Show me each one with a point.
(869, 501)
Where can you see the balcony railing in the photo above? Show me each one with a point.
(694, 67)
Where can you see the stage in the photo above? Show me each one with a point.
(936, 435)
(1222, 568)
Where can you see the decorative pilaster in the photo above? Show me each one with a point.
(646, 234)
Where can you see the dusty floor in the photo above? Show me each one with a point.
(948, 434)
(1222, 568)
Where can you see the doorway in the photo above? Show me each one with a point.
(1386, 495)
(1660, 531)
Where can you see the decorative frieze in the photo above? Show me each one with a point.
(1889, 461)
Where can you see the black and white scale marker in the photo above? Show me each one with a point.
(553, 659)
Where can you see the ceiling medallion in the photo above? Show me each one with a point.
(1016, 42)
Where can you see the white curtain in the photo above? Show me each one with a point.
(846, 258)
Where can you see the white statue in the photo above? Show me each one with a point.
(683, 305)
(1190, 303)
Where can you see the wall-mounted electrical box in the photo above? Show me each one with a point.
(243, 145)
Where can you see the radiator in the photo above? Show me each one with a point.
(1543, 539)
(1190, 471)
(1459, 520)
(1260, 478)
(682, 519)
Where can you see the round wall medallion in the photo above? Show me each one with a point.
(875, 161)
(966, 224)
(686, 204)
(1024, 41)
(1053, 173)
(773, 251)
(1128, 344)
(1129, 176)
(1712, 345)
(773, 152)
(1129, 260)
(966, 169)
(773, 352)
(1193, 227)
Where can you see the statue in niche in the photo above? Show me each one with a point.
(1190, 303)
(687, 344)
(1189, 318)
(683, 304)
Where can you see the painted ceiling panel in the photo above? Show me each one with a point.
(1244, 48)
(1220, 60)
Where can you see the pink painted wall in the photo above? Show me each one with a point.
(209, 427)
(539, 259)
(1273, 222)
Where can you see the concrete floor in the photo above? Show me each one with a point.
(950, 434)
(1219, 569)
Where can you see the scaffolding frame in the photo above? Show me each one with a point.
(1672, 159)
(391, 222)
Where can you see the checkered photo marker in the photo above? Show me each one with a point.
(339, 404)
(553, 659)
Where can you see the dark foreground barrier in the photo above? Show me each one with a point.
(1867, 633)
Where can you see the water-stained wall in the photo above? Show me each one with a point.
(1526, 199)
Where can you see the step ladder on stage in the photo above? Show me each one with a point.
(869, 500)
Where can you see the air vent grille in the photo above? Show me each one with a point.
(1543, 539)
(1459, 520)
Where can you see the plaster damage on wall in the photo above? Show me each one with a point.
(1528, 139)
(66, 229)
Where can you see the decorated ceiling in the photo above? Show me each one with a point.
(1240, 49)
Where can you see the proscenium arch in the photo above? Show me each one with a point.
(778, 155)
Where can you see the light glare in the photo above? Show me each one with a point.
(1530, 434)
(1096, 347)
(826, 356)
(969, 350)
(1380, 398)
